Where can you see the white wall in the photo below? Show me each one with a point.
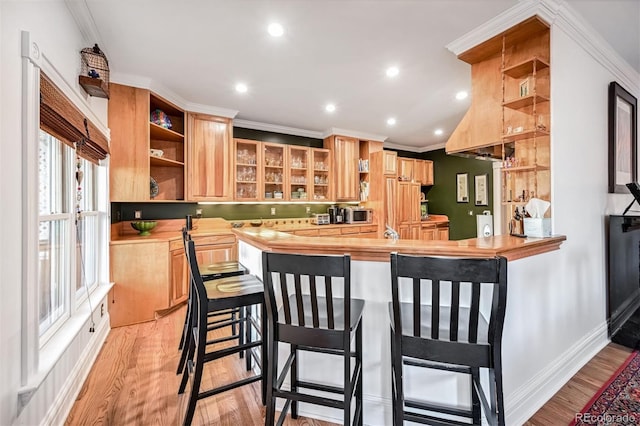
(53, 28)
(566, 311)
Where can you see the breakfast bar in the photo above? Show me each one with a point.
(529, 283)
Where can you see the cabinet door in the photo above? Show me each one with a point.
(409, 202)
(404, 231)
(247, 160)
(389, 162)
(207, 254)
(209, 158)
(141, 275)
(299, 160)
(390, 202)
(415, 231)
(345, 163)
(428, 234)
(129, 146)
(321, 174)
(274, 174)
(423, 172)
(179, 291)
(443, 233)
(405, 168)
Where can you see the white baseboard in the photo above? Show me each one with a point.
(532, 395)
(59, 410)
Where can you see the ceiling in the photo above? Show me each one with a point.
(332, 51)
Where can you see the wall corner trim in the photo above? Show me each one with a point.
(559, 15)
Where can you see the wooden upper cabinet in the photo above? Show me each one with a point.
(423, 172)
(209, 158)
(408, 202)
(406, 168)
(389, 162)
(129, 146)
(345, 167)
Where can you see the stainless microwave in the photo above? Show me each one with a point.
(358, 215)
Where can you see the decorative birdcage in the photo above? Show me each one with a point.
(94, 72)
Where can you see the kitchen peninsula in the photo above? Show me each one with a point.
(371, 280)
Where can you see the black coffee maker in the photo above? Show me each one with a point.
(335, 214)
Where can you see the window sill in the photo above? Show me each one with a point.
(53, 350)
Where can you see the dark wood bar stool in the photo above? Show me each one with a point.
(312, 319)
(452, 336)
(240, 291)
(211, 272)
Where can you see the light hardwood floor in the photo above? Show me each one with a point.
(133, 382)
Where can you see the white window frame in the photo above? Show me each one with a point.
(37, 361)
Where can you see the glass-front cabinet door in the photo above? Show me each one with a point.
(247, 178)
(273, 163)
(320, 176)
(299, 181)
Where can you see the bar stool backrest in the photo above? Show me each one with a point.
(197, 288)
(309, 301)
(428, 277)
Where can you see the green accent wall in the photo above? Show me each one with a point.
(442, 195)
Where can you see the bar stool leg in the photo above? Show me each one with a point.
(272, 376)
(246, 314)
(359, 390)
(398, 394)
(264, 358)
(294, 380)
(476, 407)
(348, 389)
(197, 376)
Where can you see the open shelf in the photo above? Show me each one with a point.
(524, 101)
(160, 133)
(535, 168)
(527, 134)
(525, 68)
(164, 162)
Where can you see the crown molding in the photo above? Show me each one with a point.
(500, 23)
(354, 134)
(171, 96)
(579, 30)
(84, 20)
(559, 15)
(246, 124)
(411, 148)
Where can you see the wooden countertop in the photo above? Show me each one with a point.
(379, 249)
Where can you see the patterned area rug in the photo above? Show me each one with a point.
(618, 401)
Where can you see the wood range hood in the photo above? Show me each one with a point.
(480, 132)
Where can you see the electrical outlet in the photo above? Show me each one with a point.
(137, 214)
(470, 212)
(308, 209)
(273, 211)
(101, 310)
(198, 213)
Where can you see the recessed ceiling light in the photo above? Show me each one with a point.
(241, 88)
(461, 95)
(330, 108)
(438, 132)
(275, 29)
(391, 121)
(392, 71)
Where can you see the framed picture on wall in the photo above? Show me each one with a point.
(622, 138)
(462, 188)
(481, 190)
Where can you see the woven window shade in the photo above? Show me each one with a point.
(60, 117)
